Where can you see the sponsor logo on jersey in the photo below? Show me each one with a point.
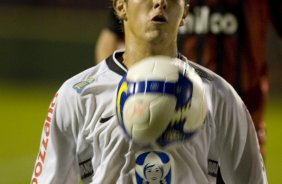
(38, 169)
(153, 167)
(86, 169)
(202, 20)
(212, 167)
(105, 119)
(81, 85)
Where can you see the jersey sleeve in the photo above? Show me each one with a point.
(56, 161)
(239, 156)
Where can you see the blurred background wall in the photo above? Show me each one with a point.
(48, 40)
(274, 56)
(43, 43)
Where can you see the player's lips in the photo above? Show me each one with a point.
(159, 19)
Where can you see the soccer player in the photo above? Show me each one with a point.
(222, 35)
(82, 139)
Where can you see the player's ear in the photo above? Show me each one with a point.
(120, 8)
(185, 13)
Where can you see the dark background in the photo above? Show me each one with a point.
(86, 4)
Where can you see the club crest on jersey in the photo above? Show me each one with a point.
(81, 85)
(153, 167)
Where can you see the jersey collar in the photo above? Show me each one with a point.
(119, 68)
(115, 65)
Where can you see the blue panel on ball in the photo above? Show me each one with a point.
(174, 133)
(182, 89)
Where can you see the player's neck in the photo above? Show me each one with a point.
(135, 52)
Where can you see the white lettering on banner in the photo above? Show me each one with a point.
(202, 21)
(44, 143)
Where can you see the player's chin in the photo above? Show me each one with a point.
(157, 37)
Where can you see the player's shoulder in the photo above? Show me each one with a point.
(221, 96)
(101, 77)
(76, 84)
(203, 72)
(211, 78)
(218, 87)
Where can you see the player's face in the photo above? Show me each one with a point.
(154, 20)
(154, 173)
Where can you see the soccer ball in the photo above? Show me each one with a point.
(159, 101)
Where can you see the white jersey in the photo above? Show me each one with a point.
(81, 137)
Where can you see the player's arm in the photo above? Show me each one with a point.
(106, 44)
(110, 39)
(240, 158)
(56, 161)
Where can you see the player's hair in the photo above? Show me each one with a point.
(187, 1)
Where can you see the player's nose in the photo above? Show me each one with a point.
(162, 4)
